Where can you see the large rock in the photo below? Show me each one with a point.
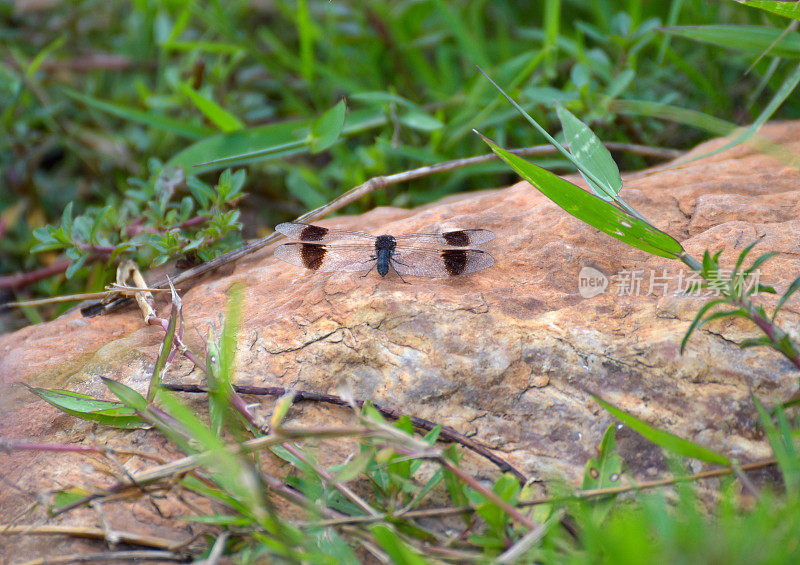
(508, 355)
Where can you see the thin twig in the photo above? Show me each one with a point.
(580, 495)
(9, 445)
(354, 194)
(447, 432)
(191, 462)
(93, 533)
(136, 555)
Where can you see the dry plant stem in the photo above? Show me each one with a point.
(182, 348)
(351, 196)
(95, 533)
(478, 487)
(774, 332)
(110, 556)
(9, 445)
(191, 462)
(216, 551)
(582, 495)
(447, 432)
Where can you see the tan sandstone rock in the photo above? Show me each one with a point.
(508, 355)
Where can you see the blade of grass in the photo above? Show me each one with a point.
(262, 143)
(215, 113)
(788, 86)
(591, 209)
(85, 407)
(171, 125)
(747, 38)
(790, 9)
(668, 441)
(590, 152)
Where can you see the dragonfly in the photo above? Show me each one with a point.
(443, 254)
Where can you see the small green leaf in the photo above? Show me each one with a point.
(75, 265)
(382, 97)
(591, 155)
(88, 408)
(668, 441)
(760, 260)
(66, 497)
(604, 470)
(698, 320)
(281, 409)
(215, 113)
(786, 295)
(397, 550)
(756, 342)
(326, 129)
(66, 220)
(203, 193)
(419, 120)
(126, 394)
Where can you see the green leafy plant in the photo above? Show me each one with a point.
(152, 226)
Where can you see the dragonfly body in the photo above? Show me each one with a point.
(384, 252)
(442, 254)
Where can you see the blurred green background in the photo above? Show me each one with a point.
(97, 97)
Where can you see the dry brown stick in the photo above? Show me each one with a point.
(351, 196)
(108, 556)
(94, 533)
(580, 495)
(191, 462)
(447, 432)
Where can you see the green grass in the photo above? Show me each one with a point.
(97, 165)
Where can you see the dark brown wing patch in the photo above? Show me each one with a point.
(313, 255)
(455, 261)
(312, 233)
(458, 238)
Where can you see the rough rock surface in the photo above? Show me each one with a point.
(508, 355)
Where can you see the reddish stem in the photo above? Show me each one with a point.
(21, 280)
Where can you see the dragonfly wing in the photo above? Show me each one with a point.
(439, 262)
(319, 234)
(454, 238)
(327, 258)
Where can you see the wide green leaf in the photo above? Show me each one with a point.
(789, 9)
(593, 210)
(273, 141)
(668, 441)
(747, 38)
(86, 407)
(591, 154)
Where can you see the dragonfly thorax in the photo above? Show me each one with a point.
(384, 249)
